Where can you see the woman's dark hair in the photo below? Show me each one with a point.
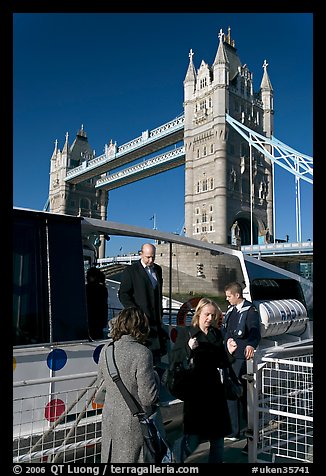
(130, 321)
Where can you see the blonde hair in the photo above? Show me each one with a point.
(202, 303)
(131, 321)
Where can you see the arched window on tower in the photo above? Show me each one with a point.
(205, 185)
(203, 83)
(211, 228)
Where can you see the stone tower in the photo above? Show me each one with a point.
(227, 186)
(75, 199)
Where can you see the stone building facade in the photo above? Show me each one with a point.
(75, 199)
(225, 181)
(228, 184)
(195, 271)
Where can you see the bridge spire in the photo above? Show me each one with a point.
(266, 85)
(190, 79)
(191, 72)
(228, 38)
(54, 155)
(81, 132)
(66, 146)
(221, 56)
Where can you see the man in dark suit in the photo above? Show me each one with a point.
(141, 285)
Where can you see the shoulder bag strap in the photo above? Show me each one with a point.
(132, 403)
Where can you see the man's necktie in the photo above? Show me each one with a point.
(152, 277)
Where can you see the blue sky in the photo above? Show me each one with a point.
(119, 74)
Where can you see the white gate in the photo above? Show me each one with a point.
(280, 404)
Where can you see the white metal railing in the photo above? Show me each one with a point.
(280, 404)
(42, 432)
(64, 425)
(287, 247)
(147, 136)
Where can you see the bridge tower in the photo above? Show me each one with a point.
(75, 199)
(228, 184)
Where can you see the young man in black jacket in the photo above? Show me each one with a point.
(242, 323)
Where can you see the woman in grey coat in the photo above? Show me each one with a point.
(122, 439)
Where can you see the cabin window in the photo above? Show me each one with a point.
(48, 258)
(30, 298)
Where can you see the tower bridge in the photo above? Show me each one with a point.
(225, 141)
(300, 165)
(114, 156)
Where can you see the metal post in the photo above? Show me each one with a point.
(251, 196)
(170, 284)
(273, 192)
(298, 208)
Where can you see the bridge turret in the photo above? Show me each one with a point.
(58, 170)
(54, 156)
(189, 91)
(79, 199)
(65, 151)
(221, 79)
(190, 79)
(222, 180)
(267, 98)
(221, 63)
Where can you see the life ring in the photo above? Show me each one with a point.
(184, 310)
(189, 306)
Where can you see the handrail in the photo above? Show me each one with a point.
(22, 383)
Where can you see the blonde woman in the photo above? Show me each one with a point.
(205, 413)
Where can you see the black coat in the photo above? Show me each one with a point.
(205, 411)
(97, 309)
(136, 290)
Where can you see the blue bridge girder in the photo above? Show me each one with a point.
(300, 165)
